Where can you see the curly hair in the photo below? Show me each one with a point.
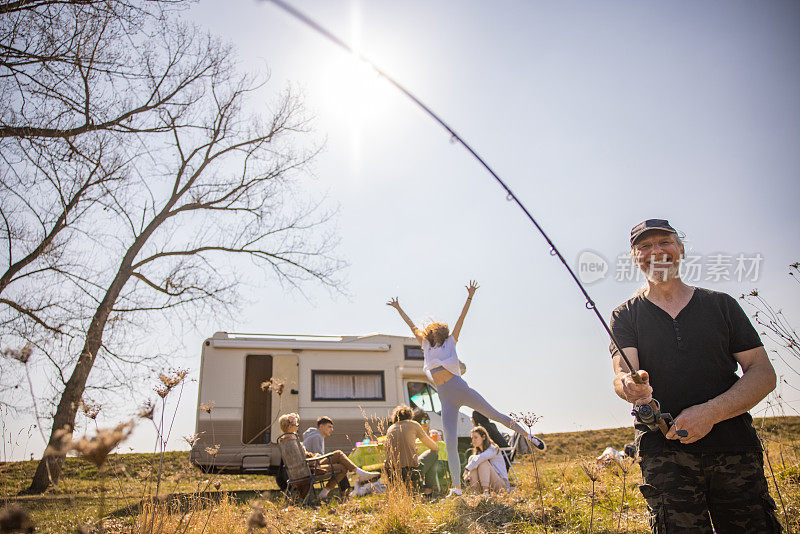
(288, 420)
(436, 333)
(402, 413)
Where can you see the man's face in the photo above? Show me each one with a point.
(326, 429)
(658, 254)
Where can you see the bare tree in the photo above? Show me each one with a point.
(216, 186)
(77, 79)
(82, 83)
(44, 190)
(134, 182)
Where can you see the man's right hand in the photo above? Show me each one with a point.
(637, 393)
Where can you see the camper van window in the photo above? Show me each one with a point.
(347, 385)
(424, 396)
(414, 352)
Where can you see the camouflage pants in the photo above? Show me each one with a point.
(687, 492)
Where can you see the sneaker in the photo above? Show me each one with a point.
(454, 492)
(536, 442)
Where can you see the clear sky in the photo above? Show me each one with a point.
(597, 114)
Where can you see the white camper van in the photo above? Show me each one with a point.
(351, 379)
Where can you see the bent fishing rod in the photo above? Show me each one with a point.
(649, 414)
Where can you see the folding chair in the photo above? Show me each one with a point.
(303, 472)
(508, 454)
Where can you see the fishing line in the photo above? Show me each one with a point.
(455, 137)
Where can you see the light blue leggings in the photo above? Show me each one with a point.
(454, 394)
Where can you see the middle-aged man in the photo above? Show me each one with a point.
(687, 343)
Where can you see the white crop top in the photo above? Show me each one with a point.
(442, 356)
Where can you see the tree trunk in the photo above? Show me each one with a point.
(49, 469)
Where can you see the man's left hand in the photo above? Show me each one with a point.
(696, 420)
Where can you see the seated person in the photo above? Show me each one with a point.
(401, 448)
(486, 470)
(314, 441)
(314, 438)
(340, 463)
(428, 459)
(478, 419)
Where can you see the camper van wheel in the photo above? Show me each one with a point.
(282, 477)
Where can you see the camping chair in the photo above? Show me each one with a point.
(303, 472)
(508, 454)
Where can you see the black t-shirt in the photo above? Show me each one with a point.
(690, 361)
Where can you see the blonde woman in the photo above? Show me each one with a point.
(441, 364)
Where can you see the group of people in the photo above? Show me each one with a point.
(685, 345)
(485, 471)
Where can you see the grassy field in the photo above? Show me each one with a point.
(576, 495)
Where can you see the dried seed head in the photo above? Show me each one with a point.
(146, 411)
(207, 407)
(528, 419)
(212, 451)
(169, 380)
(21, 355)
(62, 441)
(625, 463)
(592, 470)
(191, 440)
(96, 448)
(275, 385)
(90, 409)
(173, 377)
(256, 520)
(14, 518)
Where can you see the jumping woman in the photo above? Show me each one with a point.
(442, 367)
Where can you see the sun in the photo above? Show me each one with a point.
(356, 95)
(355, 89)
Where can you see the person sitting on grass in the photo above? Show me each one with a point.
(486, 469)
(401, 449)
(478, 419)
(340, 463)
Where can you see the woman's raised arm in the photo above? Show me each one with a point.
(471, 288)
(395, 303)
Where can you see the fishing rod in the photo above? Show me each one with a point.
(649, 414)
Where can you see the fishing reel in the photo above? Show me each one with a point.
(653, 418)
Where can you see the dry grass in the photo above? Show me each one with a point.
(191, 502)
